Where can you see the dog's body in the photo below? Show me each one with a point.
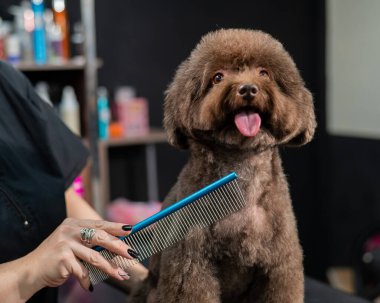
(232, 102)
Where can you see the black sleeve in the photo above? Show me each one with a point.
(35, 124)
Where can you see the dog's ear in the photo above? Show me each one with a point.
(306, 125)
(182, 93)
(293, 117)
(174, 111)
(176, 136)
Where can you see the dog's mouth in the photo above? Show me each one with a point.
(248, 122)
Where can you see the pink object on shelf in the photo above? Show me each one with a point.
(133, 115)
(132, 112)
(130, 212)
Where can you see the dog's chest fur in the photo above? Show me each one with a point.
(242, 239)
(240, 246)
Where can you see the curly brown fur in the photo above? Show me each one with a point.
(253, 255)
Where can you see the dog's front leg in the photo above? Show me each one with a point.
(285, 283)
(186, 275)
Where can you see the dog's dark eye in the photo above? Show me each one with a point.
(218, 77)
(263, 73)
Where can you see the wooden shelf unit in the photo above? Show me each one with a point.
(149, 141)
(71, 65)
(154, 136)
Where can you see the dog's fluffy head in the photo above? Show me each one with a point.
(239, 88)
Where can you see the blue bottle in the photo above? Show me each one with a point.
(103, 113)
(39, 37)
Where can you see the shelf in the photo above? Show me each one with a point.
(154, 136)
(72, 65)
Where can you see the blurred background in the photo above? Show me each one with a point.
(334, 180)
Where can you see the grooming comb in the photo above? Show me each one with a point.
(173, 223)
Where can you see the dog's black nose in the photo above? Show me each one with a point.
(248, 91)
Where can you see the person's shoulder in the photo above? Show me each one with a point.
(11, 76)
(8, 71)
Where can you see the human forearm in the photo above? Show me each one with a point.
(78, 208)
(19, 282)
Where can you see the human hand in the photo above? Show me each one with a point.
(60, 254)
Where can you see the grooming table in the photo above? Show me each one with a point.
(317, 292)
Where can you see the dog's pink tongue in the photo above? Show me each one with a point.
(248, 123)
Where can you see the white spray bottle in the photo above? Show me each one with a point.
(69, 110)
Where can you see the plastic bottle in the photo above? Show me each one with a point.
(132, 112)
(13, 48)
(23, 27)
(69, 109)
(123, 96)
(39, 42)
(42, 89)
(77, 40)
(124, 93)
(55, 42)
(50, 35)
(60, 18)
(103, 113)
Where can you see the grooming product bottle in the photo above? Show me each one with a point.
(23, 28)
(132, 112)
(13, 48)
(123, 95)
(26, 32)
(138, 117)
(42, 89)
(60, 18)
(77, 40)
(12, 42)
(53, 38)
(56, 45)
(69, 110)
(39, 36)
(103, 113)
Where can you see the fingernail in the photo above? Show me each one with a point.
(123, 274)
(91, 288)
(133, 253)
(127, 227)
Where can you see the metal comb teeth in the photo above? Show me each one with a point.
(172, 224)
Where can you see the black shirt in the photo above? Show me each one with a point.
(39, 159)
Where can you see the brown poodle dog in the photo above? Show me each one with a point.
(232, 103)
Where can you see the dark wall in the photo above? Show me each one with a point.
(142, 43)
(354, 196)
